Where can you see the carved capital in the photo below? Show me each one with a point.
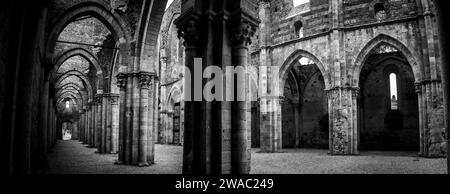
(145, 80)
(188, 29)
(114, 99)
(122, 80)
(418, 87)
(98, 98)
(242, 32)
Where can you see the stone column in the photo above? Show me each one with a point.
(168, 132)
(216, 132)
(113, 119)
(50, 122)
(75, 131)
(423, 143)
(188, 30)
(89, 126)
(297, 123)
(122, 81)
(92, 125)
(84, 129)
(98, 134)
(136, 140)
(342, 107)
(44, 117)
(182, 123)
(444, 46)
(106, 126)
(242, 31)
(271, 126)
(153, 102)
(162, 139)
(144, 130)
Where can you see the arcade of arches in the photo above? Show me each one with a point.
(350, 77)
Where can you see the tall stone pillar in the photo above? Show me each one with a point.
(136, 132)
(168, 132)
(145, 132)
(113, 120)
(297, 123)
(122, 82)
(44, 117)
(50, 122)
(422, 122)
(162, 138)
(88, 126)
(342, 107)
(105, 126)
(75, 131)
(84, 124)
(270, 99)
(98, 130)
(243, 29)
(92, 125)
(188, 28)
(443, 14)
(216, 135)
(271, 134)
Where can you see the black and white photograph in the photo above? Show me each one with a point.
(224, 87)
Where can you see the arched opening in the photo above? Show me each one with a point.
(299, 29)
(304, 107)
(388, 103)
(380, 11)
(67, 131)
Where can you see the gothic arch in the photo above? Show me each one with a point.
(112, 21)
(86, 55)
(63, 95)
(79, 75)
(288, 64)
(148, 30)
(410, 56)
(78, 52)
(69, 88)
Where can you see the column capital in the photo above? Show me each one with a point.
(355, 90)
(145, 79)
(98, 98)
(114, 99)
(188, 25)
(418, 87)
(243, 27)
(122, 80)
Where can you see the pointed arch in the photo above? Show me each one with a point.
(292, 59)
(86, 55)
(115, 24)
(82, 52)
(410, 56)
(80, 75)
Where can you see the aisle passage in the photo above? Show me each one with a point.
(72, 157)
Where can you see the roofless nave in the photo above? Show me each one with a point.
(354, 76)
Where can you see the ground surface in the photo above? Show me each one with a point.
(71, 157)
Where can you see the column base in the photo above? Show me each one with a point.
(143, 164)
(270, 152)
